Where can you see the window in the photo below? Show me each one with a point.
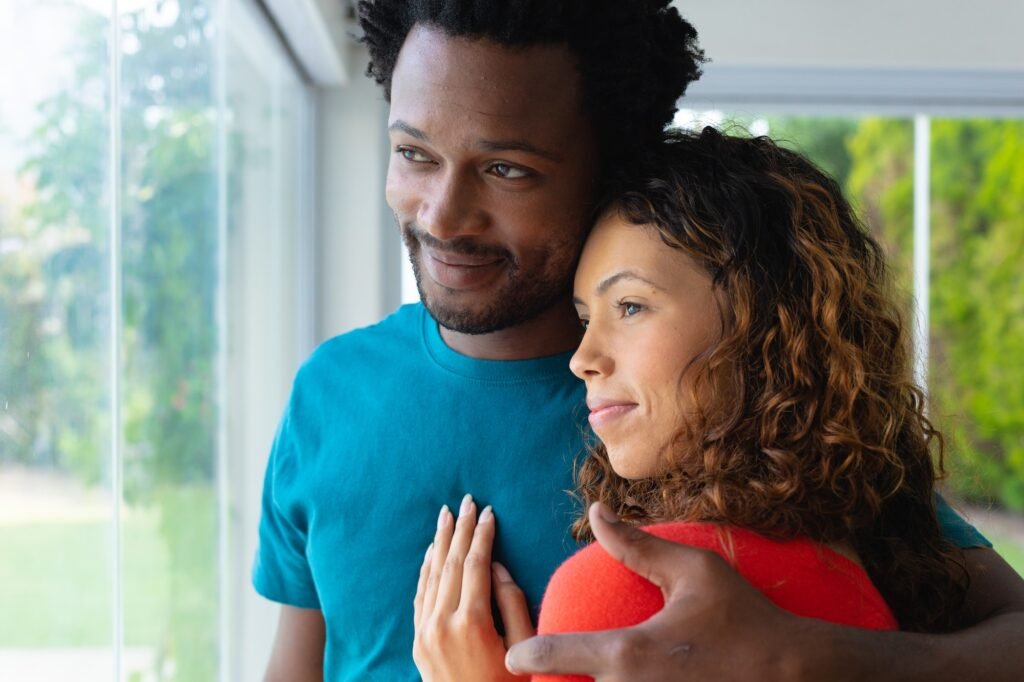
(945, 197)
(153, 308)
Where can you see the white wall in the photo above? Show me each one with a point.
(358, 245)
(929, 34)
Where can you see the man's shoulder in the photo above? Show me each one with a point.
(397, 331)
(345, 357)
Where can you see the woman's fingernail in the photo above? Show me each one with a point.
(606, 513)
(430, 548)
(441, 517)
(487, 514)
(467, 504)
(501, 573)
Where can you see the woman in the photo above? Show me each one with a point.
(748, 377)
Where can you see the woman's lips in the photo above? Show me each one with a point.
(603, 413)
(460, 271)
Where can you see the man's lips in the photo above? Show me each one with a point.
(459, 271)
(604, 410)
(461, 259)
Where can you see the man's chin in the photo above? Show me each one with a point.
(465, 321)
(458, 312)
(483, 311)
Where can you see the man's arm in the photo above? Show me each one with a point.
(298, 653)
(990, 648)
(716, 626)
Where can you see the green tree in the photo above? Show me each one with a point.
(55, 346)
(976, 344)
(54, 292)
(977, 331)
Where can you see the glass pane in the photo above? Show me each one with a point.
(976, 371)
(171, 337)
(55, 391)
(268, 119)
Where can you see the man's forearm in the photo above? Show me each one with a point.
(991, 651)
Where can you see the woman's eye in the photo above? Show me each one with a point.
(584, 323)
(507, 171)
(630, 309)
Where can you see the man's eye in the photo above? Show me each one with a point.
(508, 171)
(413, 155)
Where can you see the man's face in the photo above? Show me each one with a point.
(491, 176)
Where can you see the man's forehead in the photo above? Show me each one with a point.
(510, 85)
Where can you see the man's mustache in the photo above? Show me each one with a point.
(468, 246)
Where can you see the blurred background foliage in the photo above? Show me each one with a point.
(55, 330)
(976, 331)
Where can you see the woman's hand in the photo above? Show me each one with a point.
(455, 635)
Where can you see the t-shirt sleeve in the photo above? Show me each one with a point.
(281, 570)
(959, 532)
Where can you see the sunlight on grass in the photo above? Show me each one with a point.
(56, 579)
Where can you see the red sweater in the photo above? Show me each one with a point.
(592, 591)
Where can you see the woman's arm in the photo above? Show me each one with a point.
(455, 635)
(298, 653)
(715, 626)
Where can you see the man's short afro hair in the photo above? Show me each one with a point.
(635, 57)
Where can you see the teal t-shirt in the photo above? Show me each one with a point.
(386, 424)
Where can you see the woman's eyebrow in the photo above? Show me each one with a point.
(609, 281)
(625, 274)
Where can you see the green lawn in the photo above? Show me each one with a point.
(55, 583)
(55, 580)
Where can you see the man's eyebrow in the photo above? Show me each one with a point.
(518, 146)
(486, 145)
(412, 131)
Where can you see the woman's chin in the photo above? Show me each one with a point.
(630, 464)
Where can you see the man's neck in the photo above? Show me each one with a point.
(556, 330)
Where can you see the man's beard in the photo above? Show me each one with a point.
(520, 298)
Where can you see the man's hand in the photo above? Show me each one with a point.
(715, 625)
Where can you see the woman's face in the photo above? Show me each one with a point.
(649, 310)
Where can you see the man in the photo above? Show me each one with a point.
(503, 115)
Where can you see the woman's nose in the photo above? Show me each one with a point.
(590, 360)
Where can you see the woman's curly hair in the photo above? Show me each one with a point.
(635, 57)
(807, 421)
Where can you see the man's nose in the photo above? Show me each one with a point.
(452, 207)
